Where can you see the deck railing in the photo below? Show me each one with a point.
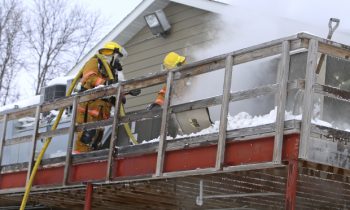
(283, 47)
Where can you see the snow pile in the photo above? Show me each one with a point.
(22, 103)
(245, 120)
(58, 153)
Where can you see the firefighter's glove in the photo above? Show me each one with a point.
(115, 65)
(112, 100)
(88, 136)
(153, 106)
(111, 81)
(135, 92)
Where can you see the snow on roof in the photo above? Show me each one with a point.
(22, 103)
(60, 80)
(35, 99)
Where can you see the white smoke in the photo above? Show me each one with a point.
(251, 22)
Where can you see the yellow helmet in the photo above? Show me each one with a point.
(112, 47)
(173, 60)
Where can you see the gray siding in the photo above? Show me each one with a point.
(146, 52)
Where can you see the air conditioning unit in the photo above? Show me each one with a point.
(50, 93)
(53, 92)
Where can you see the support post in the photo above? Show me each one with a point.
(68, 162)
(3, 137)
(310, 78)
(291, 187)
(220, 154)
(112, 151)
(280, 101)
(164, 125)
(88, 196)
(33, 145)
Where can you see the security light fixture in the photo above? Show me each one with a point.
(158, 23)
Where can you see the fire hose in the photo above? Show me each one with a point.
(55, 125)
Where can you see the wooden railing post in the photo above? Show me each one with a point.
(70, 142)
(164, 125)
(3, 137)
(33, 144)
(220, 154)
(310, 78)
(112, 150)
(280, 101)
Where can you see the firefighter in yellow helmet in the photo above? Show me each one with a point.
(95, 74)
(171, 61)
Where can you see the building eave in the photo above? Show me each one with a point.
(134, 22)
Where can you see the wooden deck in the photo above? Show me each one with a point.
(285, 165)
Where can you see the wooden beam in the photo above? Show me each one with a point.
(326, 46)
(164, 125)
(3, 137)
(33, 143)
(332, 92)
(70, 142)
(310, 78)
(280, 101)
(220, 155)
(112, 150)
(331, 133)
(93, 125)
(42, 135)
(19, 113)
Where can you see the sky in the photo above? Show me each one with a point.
(111, 10)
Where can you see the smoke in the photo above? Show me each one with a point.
(248, 23)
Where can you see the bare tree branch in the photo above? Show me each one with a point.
(59, 32)
(11, 22)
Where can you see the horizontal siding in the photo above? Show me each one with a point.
(190, 27)
(156, 43)
(194, 38)
(176, 19)
(147, 59)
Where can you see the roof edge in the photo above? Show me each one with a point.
(208, 5)
(113, 33)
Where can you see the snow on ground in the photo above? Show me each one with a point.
(245, 120)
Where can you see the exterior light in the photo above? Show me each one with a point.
(158, 23)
